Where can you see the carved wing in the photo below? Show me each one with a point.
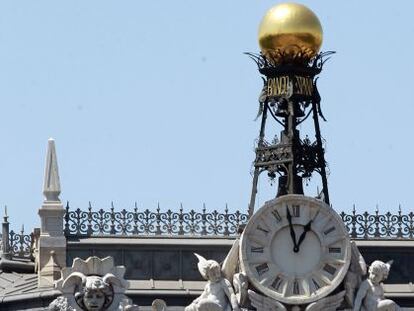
(357, 269)
(358, 263)
(202, 265)
(263, 303)
(330, 303)
(240, 285)
(230, 263)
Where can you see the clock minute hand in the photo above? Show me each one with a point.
(292, 231)
(306, 228)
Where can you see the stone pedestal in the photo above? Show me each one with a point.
(52, 239)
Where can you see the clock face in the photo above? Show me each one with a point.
(295, 249)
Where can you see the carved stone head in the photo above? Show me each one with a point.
(94, 294)
(94, 284)
(378, 271)
(213, 271)
(209, 269)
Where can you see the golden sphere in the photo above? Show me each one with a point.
(289, 31)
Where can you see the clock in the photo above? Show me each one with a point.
(295, 249)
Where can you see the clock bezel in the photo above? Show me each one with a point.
(302, 200)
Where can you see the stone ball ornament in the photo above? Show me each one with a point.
(289, 31)
(295, 249)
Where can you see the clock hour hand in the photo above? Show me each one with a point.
(306, 228)
(292, 231)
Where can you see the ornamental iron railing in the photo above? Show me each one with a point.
(379, 226)
(84, 223)
(21, 245)
(146, 222)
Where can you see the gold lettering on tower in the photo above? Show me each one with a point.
(308, 86)
(279, 86)
(283, 85)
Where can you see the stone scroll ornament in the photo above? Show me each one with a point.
(93, 285)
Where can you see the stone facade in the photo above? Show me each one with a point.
(156, 267)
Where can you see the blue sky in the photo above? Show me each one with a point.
(154, 101)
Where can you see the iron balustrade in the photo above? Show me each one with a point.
(88, 222)
(21, 245)
(136, 222)
(379, 226)
(85, 223)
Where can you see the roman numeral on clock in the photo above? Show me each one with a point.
(256, 249)
(329, 230)
(277, 215)
(262, 229)
(262, 269)
(295, 210)
(276, 283)
(316, 284)
(330, 269)
(296, 288)
(334, 250)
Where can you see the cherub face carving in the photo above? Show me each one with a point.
(95, 294)
(214, 272)
(378, 271)
(94, 300)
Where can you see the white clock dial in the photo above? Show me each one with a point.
(295, 249)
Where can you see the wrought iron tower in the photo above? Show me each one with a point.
(289, 63)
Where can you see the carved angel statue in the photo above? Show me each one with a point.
(357, 270)
(370, 295)
(263, 303)
(218, 294)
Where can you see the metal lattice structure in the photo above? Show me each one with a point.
(289, 96)
(83, 223)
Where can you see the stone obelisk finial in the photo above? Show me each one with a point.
(52, 239)
(51, 184)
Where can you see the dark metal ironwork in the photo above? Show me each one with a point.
(290, 96)
(380, 226)
(79, 223)
(21, 245)
(145, 222)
